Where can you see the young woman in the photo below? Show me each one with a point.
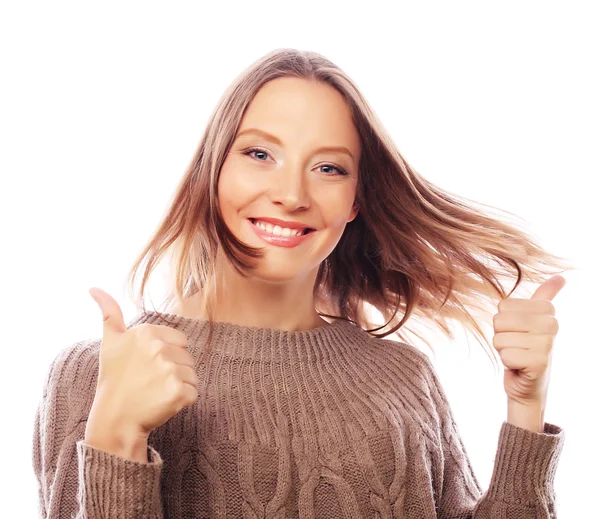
(266, 389)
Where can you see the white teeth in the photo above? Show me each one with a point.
(276, 230)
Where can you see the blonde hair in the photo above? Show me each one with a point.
(413, 249)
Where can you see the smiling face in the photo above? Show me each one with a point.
(290, 177)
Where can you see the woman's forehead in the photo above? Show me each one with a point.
(293, 109)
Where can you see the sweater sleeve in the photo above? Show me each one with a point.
(76, 480)
(522, 483)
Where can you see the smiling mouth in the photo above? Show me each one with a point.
(304, 231)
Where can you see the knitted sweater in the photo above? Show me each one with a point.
(321, 423)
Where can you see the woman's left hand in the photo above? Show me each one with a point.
(524, 332)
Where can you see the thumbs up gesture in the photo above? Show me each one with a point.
(525, 330)
(146, 375)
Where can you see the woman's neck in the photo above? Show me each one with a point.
(193, 308)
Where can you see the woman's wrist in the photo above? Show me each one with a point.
(126, 442)
(133, 448)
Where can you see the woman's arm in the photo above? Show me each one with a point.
(76, 479)
(522, 483)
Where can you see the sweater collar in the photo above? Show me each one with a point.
(263, 344)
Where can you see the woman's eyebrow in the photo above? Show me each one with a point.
(276, 140)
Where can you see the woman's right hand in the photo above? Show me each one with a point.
(146, 375)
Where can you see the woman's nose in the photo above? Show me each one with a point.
(290, 190)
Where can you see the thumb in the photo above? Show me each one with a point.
(111, 312)
(550, 288)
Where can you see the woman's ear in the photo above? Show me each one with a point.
(355, 209)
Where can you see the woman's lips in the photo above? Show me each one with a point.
(280, 241)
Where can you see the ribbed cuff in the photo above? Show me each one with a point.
(114, 487)
(525, 464)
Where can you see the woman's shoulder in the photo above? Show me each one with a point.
(72, 375)
(403, 353)
(407, 364)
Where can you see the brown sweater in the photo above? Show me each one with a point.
(324, 423)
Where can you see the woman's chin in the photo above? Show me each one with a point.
(275, 273)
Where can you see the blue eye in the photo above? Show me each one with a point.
(252, 150)
(249, 151)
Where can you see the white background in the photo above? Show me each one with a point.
(102, 106)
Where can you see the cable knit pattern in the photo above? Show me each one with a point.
(323, 423)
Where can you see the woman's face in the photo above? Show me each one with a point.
(290, 178)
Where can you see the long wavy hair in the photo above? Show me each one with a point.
(412, 250)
